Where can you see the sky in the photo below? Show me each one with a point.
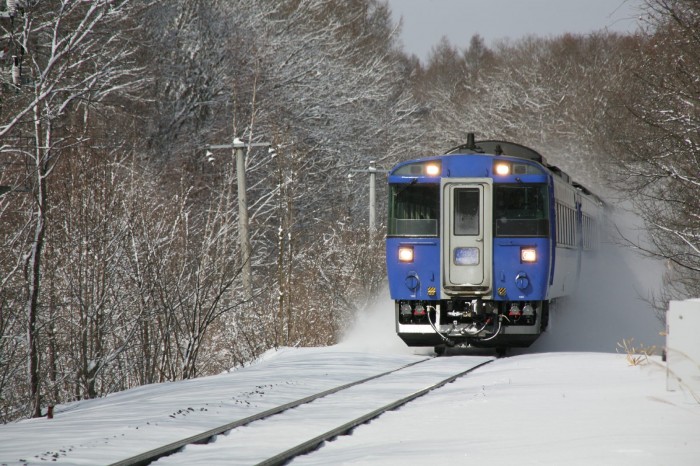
(425, 22)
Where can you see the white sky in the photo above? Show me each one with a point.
(425, 22)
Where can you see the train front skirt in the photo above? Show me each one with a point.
(470, 322)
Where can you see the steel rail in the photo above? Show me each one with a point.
(204, 437)
(313, 444)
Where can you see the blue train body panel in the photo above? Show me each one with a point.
(521, 281)
(421, 279)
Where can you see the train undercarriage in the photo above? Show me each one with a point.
(471, 322)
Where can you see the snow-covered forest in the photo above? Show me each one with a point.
(121, 262)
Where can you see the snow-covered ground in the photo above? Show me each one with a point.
(571, 399)
(551, 408)
(546, 408)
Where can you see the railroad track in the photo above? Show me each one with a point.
(301, 426)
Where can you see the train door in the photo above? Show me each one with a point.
(467, 234)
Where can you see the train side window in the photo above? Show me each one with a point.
(466, 212)
(590, 230)
(566, 225)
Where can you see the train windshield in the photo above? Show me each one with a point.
(520, 210)
(414, 210)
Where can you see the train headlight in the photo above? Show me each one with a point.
(406, 254)
(501, 168)
(528, 255)
(432, 169)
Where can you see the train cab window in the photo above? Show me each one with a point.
(520, 210)
(414, 210)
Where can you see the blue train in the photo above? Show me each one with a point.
(481, 241)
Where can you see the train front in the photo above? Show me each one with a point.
(468, 250)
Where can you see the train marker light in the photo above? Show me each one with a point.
(406, 254)
(432, 169)
(501, 168)
(528, 255)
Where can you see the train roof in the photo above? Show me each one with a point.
(495, 147)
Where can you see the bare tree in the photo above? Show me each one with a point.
(655, 132)
(150, 286)
(64, 66)
(324, 82)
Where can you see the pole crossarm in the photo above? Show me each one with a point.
(237, 145)
(370, 170)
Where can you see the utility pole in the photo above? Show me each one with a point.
(372, 170)
(238, 147)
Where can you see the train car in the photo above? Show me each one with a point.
(480, 243)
